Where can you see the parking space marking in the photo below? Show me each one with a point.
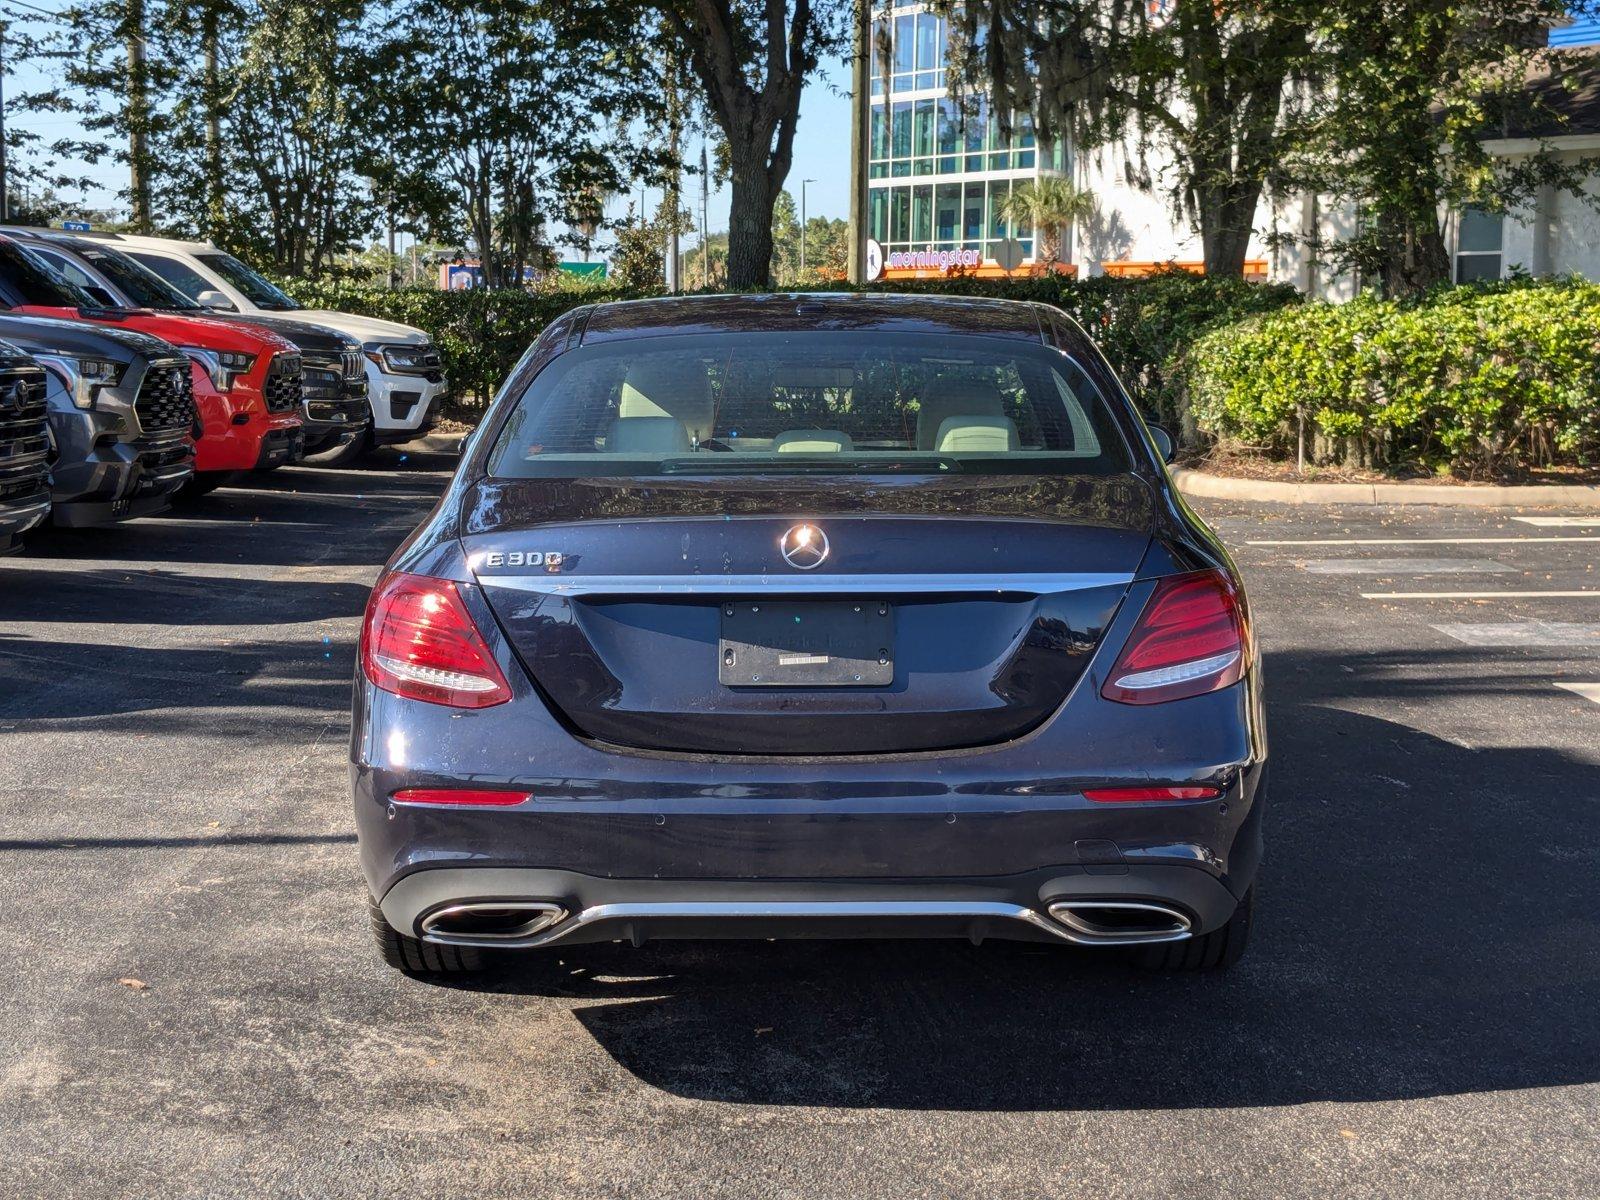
(1455, 541)
(1592, 593)
(1404, 566)
(1559, 522)
(1589, 691)
(1561, 635)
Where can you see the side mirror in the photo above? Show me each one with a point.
(1163, 441)
(211, 298)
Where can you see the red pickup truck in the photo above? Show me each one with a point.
(246, 378)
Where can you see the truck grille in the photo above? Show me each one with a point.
(166, 397)
(334, 396)
(24, 430)
(282, 391)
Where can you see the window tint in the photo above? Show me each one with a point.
(180, 275)
(255, 288)
(36, 282)
(763, 403)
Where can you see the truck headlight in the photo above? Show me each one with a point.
(406, 360)
(224, 366)
(84, 377)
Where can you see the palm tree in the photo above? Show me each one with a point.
(1047, 203)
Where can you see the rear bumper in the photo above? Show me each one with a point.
(1033, 906)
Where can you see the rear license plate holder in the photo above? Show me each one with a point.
(806, 643)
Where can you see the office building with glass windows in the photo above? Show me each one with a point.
(939, 169)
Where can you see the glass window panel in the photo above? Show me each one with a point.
(926, 80)
(999, 189)
(901, 169)
(921, 213)
(905, 44)
(1024, 159)
(878, 170)
(880, 132)
(1471, 268)
(922, 128)
(1022, 137)
(947, 212)
(949, 126)
(924, 166)
(878, 214)
(972, 210)
(901, 139)
(927, 42)
(977, 122)
(1000, 161)
(1479, 230)
(948, 166)
(900, 214)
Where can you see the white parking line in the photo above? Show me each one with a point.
(1589, 691)
(1558, 634)
(1404, 566)
(1455, 541)
(1592, 593)
(1559, 522)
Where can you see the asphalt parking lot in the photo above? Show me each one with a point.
(191, 1007)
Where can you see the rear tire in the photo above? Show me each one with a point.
(414, 957)
(1214, 951)
(351, 452)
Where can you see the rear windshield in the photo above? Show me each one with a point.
(769, 403)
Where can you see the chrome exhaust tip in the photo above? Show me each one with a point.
(1120, 922)
(488, 922)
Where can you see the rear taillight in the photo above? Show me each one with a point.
(1190, 639)
(419, 641)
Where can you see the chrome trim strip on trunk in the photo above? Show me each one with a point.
(849, 585)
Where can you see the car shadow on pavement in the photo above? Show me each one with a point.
(1427, 926)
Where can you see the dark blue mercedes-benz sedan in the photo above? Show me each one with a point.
(810, 616)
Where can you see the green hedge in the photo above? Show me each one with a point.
(1475, 379)
(1139, 323)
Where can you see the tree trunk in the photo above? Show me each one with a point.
(1227, 219)
(1416, 256)
(750, 220)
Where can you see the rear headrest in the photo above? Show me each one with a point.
(950, 396)
(662, 386)
(977, 435)
(647, 435)
(812, 441)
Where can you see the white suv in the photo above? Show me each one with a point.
(404, 373)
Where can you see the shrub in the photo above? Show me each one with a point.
(1141, 324)
(1477, 379)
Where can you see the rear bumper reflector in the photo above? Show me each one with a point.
(1126, 795)
(470, 797)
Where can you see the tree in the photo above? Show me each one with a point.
(785, 240)
(1206, 87)
(1410, 93)
(1047, 204)
(638, 261)
(752, 59)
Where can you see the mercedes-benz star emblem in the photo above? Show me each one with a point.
(804, 547)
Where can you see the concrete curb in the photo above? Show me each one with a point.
(1221, 487)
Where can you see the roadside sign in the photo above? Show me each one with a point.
(874, 259)
(77, 226)
(1008, 254)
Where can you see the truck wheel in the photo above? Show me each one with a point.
(1213, 951)
(351, 452)
(417, 958)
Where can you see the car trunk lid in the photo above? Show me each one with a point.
(662, 613)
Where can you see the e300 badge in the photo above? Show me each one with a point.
(549, 559)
